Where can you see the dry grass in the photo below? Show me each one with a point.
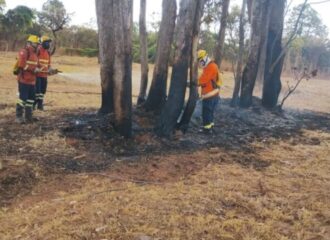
(289, 200)
(210, 196)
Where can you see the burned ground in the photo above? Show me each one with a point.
(93, 145)
(262, 175)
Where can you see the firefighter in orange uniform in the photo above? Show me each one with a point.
(210, 90)
(45, 69)
(27, 70)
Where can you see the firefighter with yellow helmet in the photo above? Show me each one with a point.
(210, 83)
(27, 68)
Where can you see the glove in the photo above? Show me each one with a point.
(37, 70)
(52, 71)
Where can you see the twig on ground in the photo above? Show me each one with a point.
(124, 179)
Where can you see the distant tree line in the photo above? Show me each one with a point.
(310, 48)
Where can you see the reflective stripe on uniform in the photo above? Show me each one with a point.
(20, 102)
(39, 96)
(29, 103)
(32, 62)
(44, 61)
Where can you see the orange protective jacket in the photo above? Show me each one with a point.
(208, 78)
(27, 62)
(43, 62)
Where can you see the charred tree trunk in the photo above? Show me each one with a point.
(259, 7)
(106, 51)
(143, 52)
(157, 92)
(193, 91)
(272, 78)
(222, 33)
(238, 78)
(115, 39)
(173, 107)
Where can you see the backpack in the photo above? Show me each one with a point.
(16, 68)
(217, 83)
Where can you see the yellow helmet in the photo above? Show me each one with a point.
(201, 54)
(45, 38)
(33, 39)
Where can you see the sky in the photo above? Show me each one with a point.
(84, 10)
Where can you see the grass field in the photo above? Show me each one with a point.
(262, 176)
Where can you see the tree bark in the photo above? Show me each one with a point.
(157, 92)
(259, 7)
(272, 78)
(143, 52)
(115, 38)
(222, 33)
(193, 90)
(238, 79)
(249, 8)
(184, 32)
(14, 43)
(103, 11)
(263, 52)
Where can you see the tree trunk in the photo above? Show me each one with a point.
(259, 7)
(106, 51)
(115, 40)
(143, 52)
(193, 91)
(238, 79)
(184, 32)
(272, 78)
(222, 33)
(13, 46)
(249, 8)
(157, 92)
(54, 43)
(263, 52)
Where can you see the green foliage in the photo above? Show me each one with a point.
(53, 15)
(212, 11)
(89, 52)
(311, 47)
(152, 45)
(208, 41)
(310, 24)
(84, 52)
(78, 37)
(2, 5)
(18, 20)
(15, 24)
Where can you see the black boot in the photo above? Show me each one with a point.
(35, 104)
(28, 114)
(40, 105)
(19, 114)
